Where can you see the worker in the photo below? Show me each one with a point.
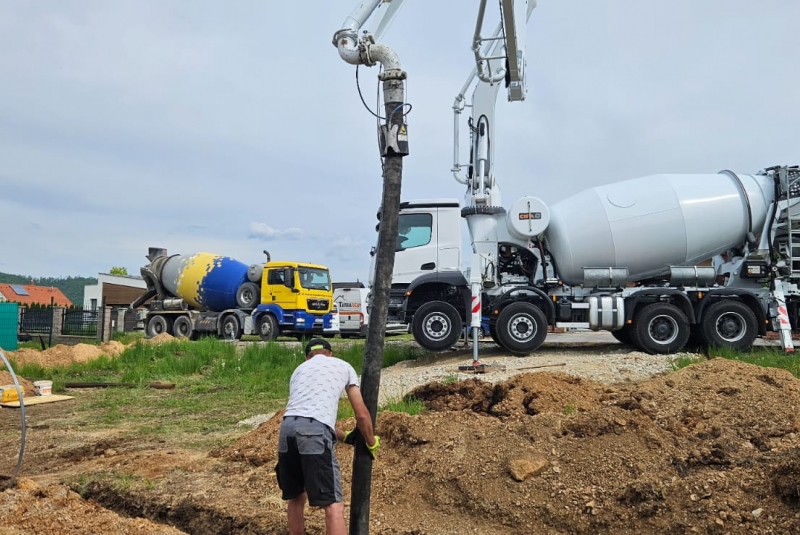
(307, 467)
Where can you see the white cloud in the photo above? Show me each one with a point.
(262, 231)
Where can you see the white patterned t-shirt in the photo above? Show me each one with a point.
(316, 387)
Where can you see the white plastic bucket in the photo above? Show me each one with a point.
(43, 388)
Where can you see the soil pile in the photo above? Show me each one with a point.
(713, 448)
(64, 355)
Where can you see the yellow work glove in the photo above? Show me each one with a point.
(351, 436)
(373, 450)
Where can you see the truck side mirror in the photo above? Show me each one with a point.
(288, 277)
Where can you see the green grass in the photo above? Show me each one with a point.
(216, 386)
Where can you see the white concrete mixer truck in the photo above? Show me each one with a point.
(660, 261)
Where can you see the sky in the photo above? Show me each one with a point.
(233, 127)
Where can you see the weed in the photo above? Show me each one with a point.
(449, 379)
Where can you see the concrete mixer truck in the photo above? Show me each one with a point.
(661, 261)
(204, 293)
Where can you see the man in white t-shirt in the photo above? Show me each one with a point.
(307, 466)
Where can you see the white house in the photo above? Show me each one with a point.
(119, 290)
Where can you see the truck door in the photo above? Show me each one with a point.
(276, 291)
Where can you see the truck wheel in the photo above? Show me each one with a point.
(157, 325)
(521, 328)
(660, 328)
(267, 327)
(493, 334)
(231, 329)
(729, 323)
(623, 335)
(248, 295)
(182, 327)
(436, 325)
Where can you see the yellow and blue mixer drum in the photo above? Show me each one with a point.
(204, 280)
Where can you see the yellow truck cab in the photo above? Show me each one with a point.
(296, 299)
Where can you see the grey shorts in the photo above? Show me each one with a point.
(307, 462)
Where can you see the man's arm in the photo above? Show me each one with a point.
(363, 418)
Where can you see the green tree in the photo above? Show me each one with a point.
(116, 270)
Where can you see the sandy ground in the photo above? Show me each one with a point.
(590, 438)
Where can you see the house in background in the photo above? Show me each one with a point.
(119, 291)
(30, 294)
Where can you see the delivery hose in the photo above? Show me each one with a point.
(22, 416)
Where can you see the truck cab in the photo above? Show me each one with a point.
(428, 241)
(296, 298)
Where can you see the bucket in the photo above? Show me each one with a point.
(43, 388)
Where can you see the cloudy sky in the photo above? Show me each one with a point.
(234, 126)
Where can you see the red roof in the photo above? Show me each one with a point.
(29, 294)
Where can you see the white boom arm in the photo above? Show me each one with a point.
(508, 35)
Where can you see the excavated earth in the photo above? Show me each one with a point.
(712, 448)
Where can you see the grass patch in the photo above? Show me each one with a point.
(216, 386)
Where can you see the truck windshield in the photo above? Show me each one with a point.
(315, 279)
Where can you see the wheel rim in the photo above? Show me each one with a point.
(265, 328)
(663, 329)
(437, 326)
(158, 327)
(731, 326)
(229, 327)
(181, 327)
(522, 328)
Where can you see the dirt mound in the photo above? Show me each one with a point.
(28, 508)
(713, 448)
(159, 339)
(63, 355)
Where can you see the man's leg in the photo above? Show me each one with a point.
(334, 519)
(294, 510)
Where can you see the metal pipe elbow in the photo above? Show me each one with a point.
(346, 42)
(384, 55)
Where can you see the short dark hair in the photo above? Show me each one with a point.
(317, 343)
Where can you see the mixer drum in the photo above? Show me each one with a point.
(650, 223)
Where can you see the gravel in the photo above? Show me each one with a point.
(595, 356)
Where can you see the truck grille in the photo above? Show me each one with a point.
(317, 304)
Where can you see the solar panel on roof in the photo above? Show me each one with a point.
(19, 289)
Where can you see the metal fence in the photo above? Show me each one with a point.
(35, 320)
(80, 322)
(75, 322)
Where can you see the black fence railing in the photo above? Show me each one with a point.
(35, 320)
(80, 322)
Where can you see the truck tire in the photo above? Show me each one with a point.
(182, 327)
(248, 296)
(521, 328)
(729, 323)
(623, 335)
(436, 325)
(158, 325)
(660, 328)
(268, 327)
(231, 328)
